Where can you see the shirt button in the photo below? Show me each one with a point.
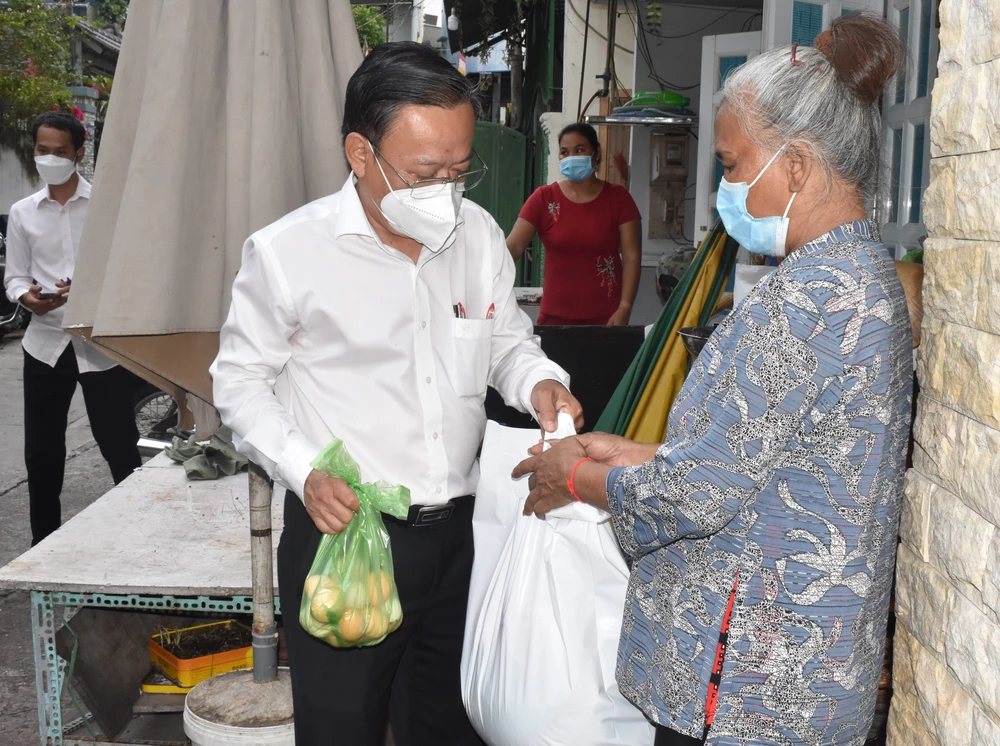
(438, 490)
(427, 380)
(435, 436)
(423, 324)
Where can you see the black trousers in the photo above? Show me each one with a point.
(344, 697)
(667, 737)
(48, 393)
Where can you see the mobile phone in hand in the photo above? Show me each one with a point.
(45, 295)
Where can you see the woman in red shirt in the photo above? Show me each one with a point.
(592, 238)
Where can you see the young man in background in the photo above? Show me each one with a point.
(43, 238)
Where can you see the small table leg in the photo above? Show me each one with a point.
(50, 669)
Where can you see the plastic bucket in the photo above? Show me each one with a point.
(206, 733)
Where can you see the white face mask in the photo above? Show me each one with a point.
(428, 215)
(54, 170)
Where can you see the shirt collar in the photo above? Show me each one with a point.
(82, 192)
(351, 219)
(858, 230)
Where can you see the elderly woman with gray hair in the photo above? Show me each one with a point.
(762, 532)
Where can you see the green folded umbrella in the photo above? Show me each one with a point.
(620, 409)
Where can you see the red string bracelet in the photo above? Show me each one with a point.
(571, 482)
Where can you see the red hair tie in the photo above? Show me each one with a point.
(800, 63)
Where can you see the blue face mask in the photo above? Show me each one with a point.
(577, 167)
(758, 235)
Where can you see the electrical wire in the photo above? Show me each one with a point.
(583, 111)
(583, 65)
(597, 33)
(699, 30)
(642, 44)
(382, 16)
(748, 23)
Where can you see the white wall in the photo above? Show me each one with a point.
(16, 182)
(677, 60)
(406, 23)
(597, 54)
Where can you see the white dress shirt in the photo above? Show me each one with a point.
(332, 334)
(43, 238)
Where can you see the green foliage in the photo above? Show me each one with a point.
(110, 12)
(370, 22)
(34, 62)
(101, 84)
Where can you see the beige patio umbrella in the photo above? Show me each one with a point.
(225, 115)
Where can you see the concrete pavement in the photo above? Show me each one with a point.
(87, 478)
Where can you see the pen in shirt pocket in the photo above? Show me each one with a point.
(459, 310)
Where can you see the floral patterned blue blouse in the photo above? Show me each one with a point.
(779, 484)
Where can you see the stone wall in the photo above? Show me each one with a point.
(946, 670)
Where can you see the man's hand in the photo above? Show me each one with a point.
(329, 502)
(39, 307)
(549, 398)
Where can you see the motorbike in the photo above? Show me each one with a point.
(156, 418)
(13, 316)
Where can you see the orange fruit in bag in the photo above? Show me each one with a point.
(378, 625)
(325, 597)
(352, 625)
(386, 585)
(395, 613)
(383, 584)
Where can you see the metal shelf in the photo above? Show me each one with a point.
(675, 122)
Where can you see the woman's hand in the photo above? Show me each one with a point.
(550, 472)
(611, 450)
(620, 317)
(615, 450)
(608, 449)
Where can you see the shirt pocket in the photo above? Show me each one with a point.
(470, 360)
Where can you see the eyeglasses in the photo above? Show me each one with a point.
(422, 188)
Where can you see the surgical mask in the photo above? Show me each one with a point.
(53, 169)
(428, 215)
(577, 167)
(764, 236)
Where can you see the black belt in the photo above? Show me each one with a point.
(423, 516)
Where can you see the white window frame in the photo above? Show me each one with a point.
(777, 21)
(901, 235)
(713, 48)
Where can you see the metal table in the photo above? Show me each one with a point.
(156, 542)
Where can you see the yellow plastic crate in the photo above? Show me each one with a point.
(191, 671)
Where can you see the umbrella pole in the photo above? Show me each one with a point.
(217, 709)
(265, 631)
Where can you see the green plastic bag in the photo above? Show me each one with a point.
(350, 598)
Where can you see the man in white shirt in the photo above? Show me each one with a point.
(378, 316)
(43, 237)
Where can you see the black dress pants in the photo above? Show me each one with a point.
(48, 393)
(344, 697)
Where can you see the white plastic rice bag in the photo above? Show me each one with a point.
(545, 615)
